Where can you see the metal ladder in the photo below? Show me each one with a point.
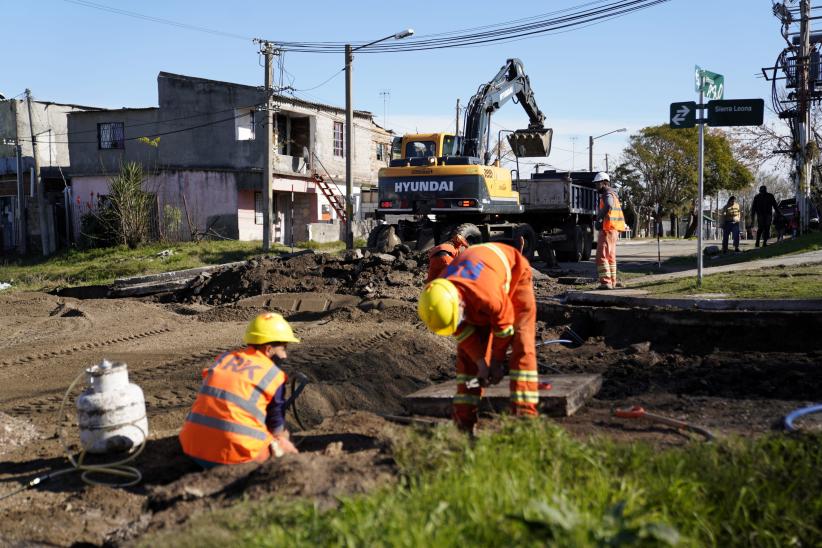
(330, 191)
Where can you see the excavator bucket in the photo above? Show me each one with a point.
(527, 143)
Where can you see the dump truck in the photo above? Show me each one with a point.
(439, 184)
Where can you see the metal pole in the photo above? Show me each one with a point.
(606, 164)
(268, 183)
(700, 197)
(804, 166)
(457, 130)
(41, 186)
(349, 152)
(21, 203)
(590, 153)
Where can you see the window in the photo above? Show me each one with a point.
(420, 149)
(110, 135)
(282, 135)
(258, 208)
(379, 152)
(244, 127)
(339, 142)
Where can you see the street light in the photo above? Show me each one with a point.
(591, 146)
(349, 133)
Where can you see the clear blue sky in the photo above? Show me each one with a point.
(620, 73)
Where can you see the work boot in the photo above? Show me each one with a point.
(604, 286)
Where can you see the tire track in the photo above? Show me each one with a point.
(82, 347)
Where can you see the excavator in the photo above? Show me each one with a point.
(444, 184)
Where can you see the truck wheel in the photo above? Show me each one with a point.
(469, 231)
(527, 233)
(587, 243)
(574, 244)
(546, 253)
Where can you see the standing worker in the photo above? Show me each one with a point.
(486, 300)
(441, 256)
(238, 415)
(763, 206)
(731, 214)
(610, 222)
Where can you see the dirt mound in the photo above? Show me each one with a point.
(399, 275)
(15, 432)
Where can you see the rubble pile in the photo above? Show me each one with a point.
(399, 274)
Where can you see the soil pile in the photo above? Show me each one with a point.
(399, 274)
(15, 432)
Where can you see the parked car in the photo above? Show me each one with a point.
(789, 211)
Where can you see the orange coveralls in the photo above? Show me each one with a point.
(494, 281)
(439, 258)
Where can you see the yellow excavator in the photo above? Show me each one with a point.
(439, 184)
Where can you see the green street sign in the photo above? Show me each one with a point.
(736, 112)
(711, 84)
(683, 115)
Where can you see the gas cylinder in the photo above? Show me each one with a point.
(111, 412)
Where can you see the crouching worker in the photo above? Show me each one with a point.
(238, 415)
(441, 256)
(486, 300)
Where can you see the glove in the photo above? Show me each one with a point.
(282, 445)
(598, 225)
(498, 368)
(483, 372)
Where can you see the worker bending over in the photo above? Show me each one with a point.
(238, 415)
(441, 256)
(610, 222)
(486, 300)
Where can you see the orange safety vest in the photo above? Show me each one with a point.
(226, 424)
(614, 219)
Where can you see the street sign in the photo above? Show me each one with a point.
(683, 114)
(736, 112)
(710, 83)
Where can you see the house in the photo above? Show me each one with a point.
(204, 149)
(19, 209)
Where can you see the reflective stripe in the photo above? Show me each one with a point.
(507, 332)
(227, 426)
(466, 399)
(242, 403)
(505, 263)
(263, 384)
(526, 396)
(525, 376)
(466, 332)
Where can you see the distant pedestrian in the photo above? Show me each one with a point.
(731, 215)
(610, 222)
(763, 206)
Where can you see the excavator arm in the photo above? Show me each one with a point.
(511, 81)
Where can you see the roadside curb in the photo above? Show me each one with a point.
(639, 298)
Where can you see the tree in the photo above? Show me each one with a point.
(659, 170)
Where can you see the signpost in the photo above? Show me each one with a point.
(735, 112)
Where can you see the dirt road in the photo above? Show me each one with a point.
(362, 348)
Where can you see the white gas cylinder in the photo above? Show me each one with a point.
(111, 411)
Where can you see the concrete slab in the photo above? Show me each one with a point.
(637, 298)
(567, 395)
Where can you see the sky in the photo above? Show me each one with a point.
(621, 73)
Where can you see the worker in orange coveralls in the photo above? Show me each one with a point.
(486, 300)
(238, 415)
(441, 256)
(610, 222)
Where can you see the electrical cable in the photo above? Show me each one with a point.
(117, 468)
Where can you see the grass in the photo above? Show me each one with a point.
(802, 244)
(800, 282)
(103, 265)
(531, 484)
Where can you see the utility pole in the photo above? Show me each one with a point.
(21, 203)
(349, 151)
(591, 153)
(267, 49)
(41, 186)
(803, 166)
(606, 163)
(457, 130)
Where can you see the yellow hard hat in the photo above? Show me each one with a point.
(269, 328)
(439, 307)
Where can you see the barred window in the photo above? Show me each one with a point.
(339, 142)
(110, 135)
(258, 208)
